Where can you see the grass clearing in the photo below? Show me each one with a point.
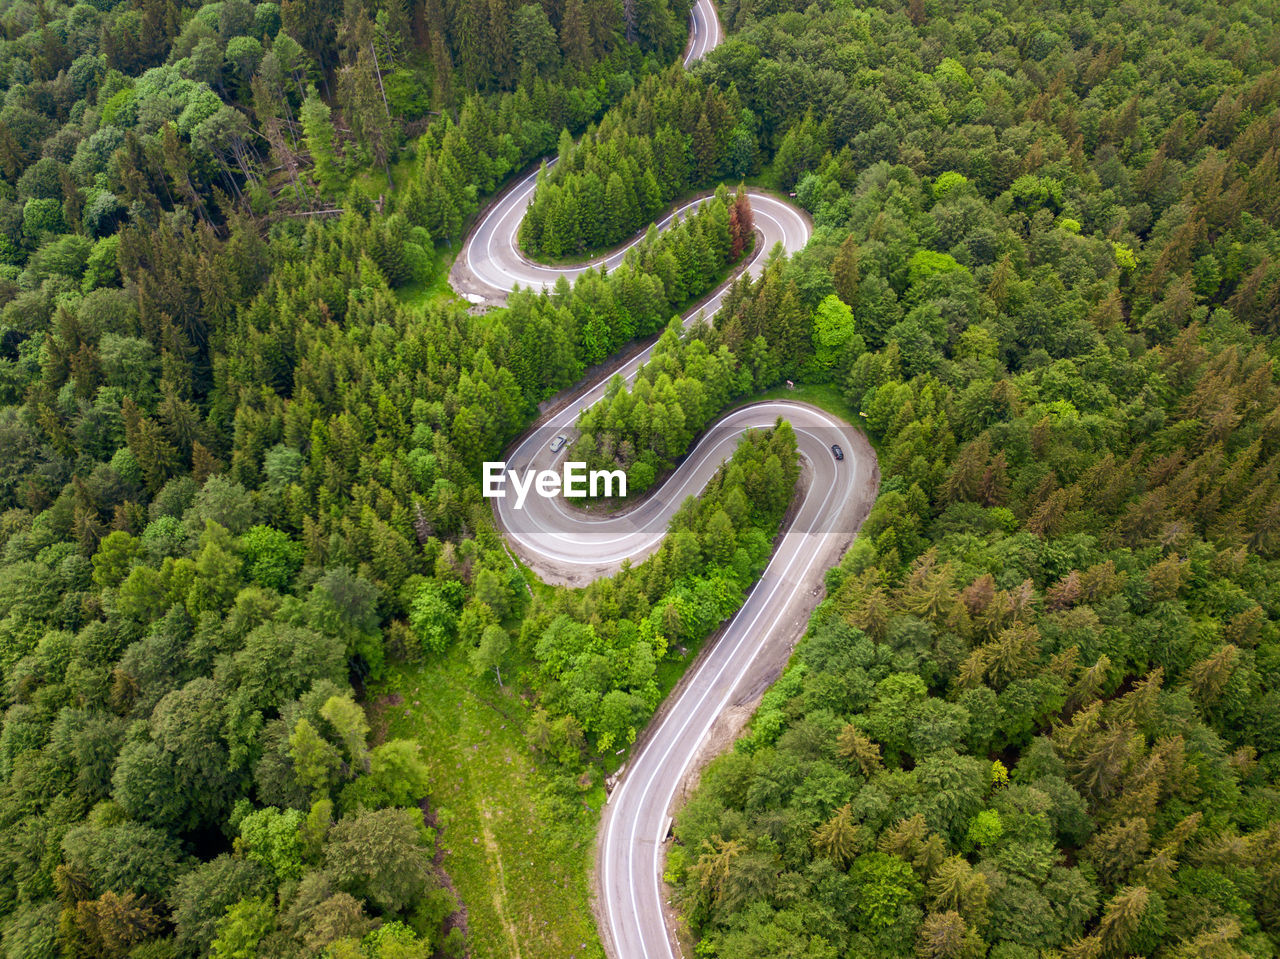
(437, 290)
(825, 396)
(519, 858)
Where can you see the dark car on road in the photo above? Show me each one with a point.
(836, 451)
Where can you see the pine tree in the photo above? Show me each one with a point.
(649, 195)
(566, 218)
(737, 244)
(616, 210)
(605, 22)
(438, 42)
(844, 272)
(853, 744)
(530, 235)
(1209, 677)
(203, 463)
(1121, 916)
(713, 867)
(629, 18)
(947, 936)
(313, 23)
(465, 31)
(717, 227)
(745, 215)
(837, 838)
(155, 457)
(364, 103)
(956, 885)
(672, 161)
(319, 135)
(550, 242)
(397, 25)
(788, 330)
(501, 56)
(704, 151)
(964, 483)
(112, 925)
(575, 34)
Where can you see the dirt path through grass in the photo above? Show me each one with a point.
(500, 888)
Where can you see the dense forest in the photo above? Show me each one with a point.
(238, 465)
(240, 436)
(1035, 714)
(668, 136)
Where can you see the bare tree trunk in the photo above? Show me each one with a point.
(377, 71)
(288, 115)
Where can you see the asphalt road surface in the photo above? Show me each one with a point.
(566, 545)
(491, 264)
(705, 32)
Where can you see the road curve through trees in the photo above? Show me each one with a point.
(569, 546)
(491, 263)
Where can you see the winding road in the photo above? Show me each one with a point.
(491, 264)
(569, 546)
